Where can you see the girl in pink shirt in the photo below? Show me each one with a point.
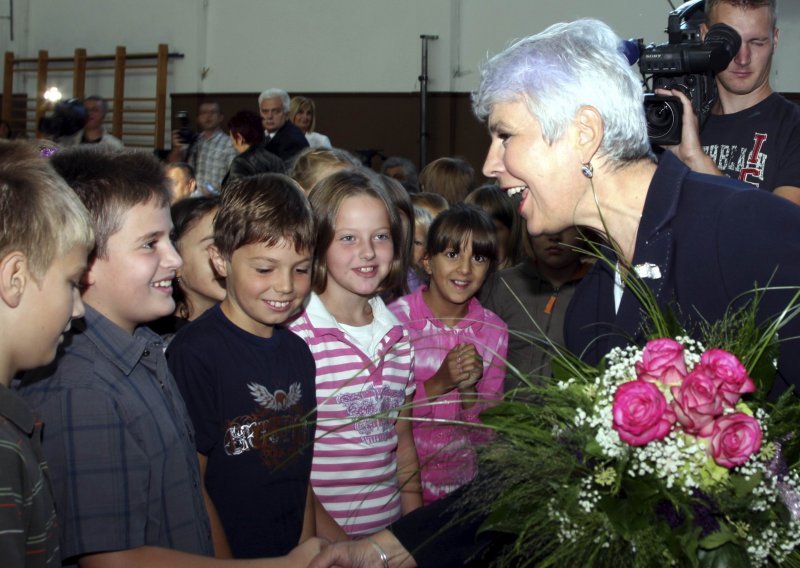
(459, 348)
(364, 470)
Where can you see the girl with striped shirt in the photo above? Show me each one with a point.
(365, 466)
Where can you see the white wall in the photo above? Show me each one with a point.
(100, 26)
(313, 45)
(324, 45)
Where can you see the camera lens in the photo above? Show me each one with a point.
(664, 116)
(660, 118)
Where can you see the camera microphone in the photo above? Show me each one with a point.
(631, 49)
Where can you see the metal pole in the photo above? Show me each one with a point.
(423, 93)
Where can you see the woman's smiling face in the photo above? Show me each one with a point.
(548, 175)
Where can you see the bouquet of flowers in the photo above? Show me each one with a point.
(665, 454)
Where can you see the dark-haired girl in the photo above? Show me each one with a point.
(459, 347)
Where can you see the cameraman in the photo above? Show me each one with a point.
(93, 131)
(752, 133)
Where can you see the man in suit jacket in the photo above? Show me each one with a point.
(281, 137)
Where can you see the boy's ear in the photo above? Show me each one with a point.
(88, 279)
(14, 277)
(219, 264)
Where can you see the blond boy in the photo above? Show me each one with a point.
(45, 236)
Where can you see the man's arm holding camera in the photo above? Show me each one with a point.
(178, 151)
(690, 150)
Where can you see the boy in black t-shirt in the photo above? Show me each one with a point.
(248, 382)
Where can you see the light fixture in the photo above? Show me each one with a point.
(53, 95)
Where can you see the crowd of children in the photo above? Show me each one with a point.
(320, 366)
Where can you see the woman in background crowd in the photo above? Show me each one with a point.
(303, 113)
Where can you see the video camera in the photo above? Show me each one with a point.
(686, 63)
(185, 134)
(66, 118)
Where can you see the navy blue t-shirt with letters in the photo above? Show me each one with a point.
(759, 145)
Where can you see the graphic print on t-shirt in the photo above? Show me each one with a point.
(273, 429)
(740, 162)
(370, 408)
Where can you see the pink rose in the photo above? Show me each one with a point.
(736, 437)
(662, 361)
(696, 402)
(729, 374)
(641, 413)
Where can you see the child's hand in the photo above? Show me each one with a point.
(470, 365)
(452, 368)
(463, 365)
(461, 369)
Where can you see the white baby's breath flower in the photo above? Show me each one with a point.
(568, 531)
(564, 385)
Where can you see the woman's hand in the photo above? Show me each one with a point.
(305, 552)
(354, 554)
(365, 553)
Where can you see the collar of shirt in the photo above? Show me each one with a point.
(16, 410)
(420, 313)
(123, 349)
(319, 316)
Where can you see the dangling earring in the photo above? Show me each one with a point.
(587, 170)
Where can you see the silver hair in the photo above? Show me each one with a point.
(566, 67)
(272, 93)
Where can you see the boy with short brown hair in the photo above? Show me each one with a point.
(248, 382)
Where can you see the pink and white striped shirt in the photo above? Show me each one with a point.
(354, 470)
(446, 450)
